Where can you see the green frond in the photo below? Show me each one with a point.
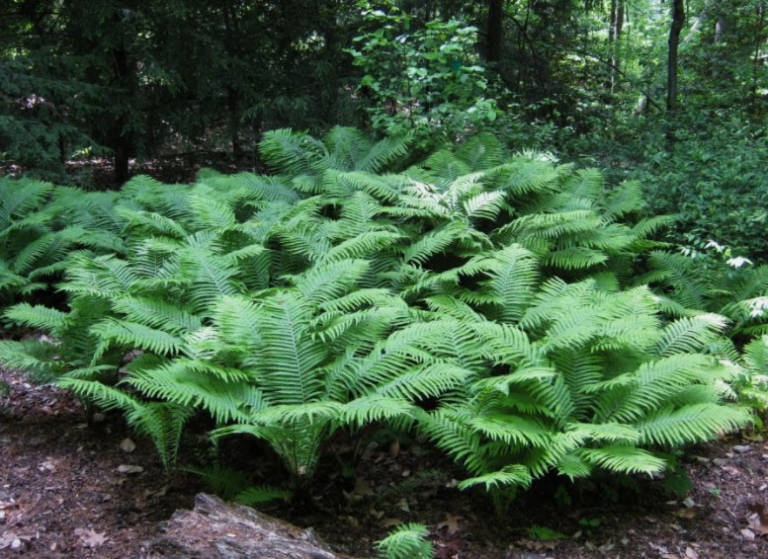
(424, 382)
(289, 152)
(365, 245)
(134, 335)
(515, 475)
(576, 258)
(482, 151)
(512, 430)
(155, 313)
(326, 282)
(408, 541)
(257, 495)
(573, 466)
(690, 424)
(37, 316)
(19, 197)
(626, 198)
(624, 459)
(688, 335)
(375, 408)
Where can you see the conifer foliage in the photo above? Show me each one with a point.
(344, 291)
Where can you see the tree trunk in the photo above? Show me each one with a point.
(617, 23)
(759, 40)
(233, 105)
(494, 30)
(678, 16)
(122, 139)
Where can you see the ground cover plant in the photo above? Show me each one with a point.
(488, 302)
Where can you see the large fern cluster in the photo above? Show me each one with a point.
(487, 301)
(40, 225)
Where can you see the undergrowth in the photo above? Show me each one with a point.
(496, 305)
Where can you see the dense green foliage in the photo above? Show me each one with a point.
(437, 272)
(427, 83)
(581, 79)
(489, 302)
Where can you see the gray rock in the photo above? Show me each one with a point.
(218, 530)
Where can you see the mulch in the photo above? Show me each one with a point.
(70, 488)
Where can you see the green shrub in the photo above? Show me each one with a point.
(427, 82)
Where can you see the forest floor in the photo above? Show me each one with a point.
(70, 489)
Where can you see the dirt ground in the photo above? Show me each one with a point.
(70, 489)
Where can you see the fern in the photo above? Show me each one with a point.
(507, 291)
(408, 541)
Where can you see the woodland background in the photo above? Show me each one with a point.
(670, 92)
(526, 237)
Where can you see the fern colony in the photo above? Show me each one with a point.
(490, 303)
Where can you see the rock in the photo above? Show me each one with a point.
(217, 530)
(742, 448)
(129, 469)
(16, 544)
(720, 461)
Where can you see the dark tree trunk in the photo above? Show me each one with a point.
(233, 97)
(614, 35)
(122, 160)
(122, 138)
(759, 40)
(494, 30)
(233, 104)
(678, 16)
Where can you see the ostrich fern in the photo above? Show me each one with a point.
(500, 288)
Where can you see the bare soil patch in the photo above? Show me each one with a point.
(72, 489)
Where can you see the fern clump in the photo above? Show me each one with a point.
(408, 541)
(500, 290)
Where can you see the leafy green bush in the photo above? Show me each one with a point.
(427, 82)
(486, 300)
(712, 176)
(41, 225)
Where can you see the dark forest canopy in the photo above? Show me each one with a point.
(650, 88)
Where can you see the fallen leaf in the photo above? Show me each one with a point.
(691, 553)
(91, 538)
(758, 520)
(127, 445)
(394, 448)
(390, 522)
(451, 522)
(362, 488)
(686, 513)
(129, 469)
(748, 534)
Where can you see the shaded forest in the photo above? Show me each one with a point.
(388, 268)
